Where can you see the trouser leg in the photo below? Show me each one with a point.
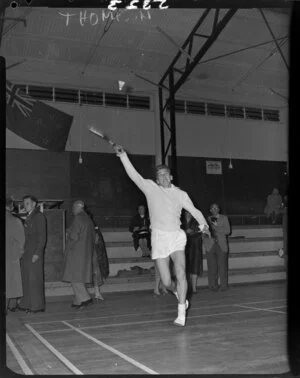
(223, 267)
(212, 268)
(80, 293)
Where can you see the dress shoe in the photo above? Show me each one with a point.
(98, 298)
(18, 308)
(34, 311)
(11, 309)
(84, 304)
(224, 288)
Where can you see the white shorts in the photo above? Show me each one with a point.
(166, 242)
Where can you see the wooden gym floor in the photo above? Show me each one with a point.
(240, 331)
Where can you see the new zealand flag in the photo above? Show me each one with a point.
(36, 121)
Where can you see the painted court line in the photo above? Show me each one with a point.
(18, 357)
(151, 321)
(113, 350)
(161, 306)
(266, 301)
(151, 313)
(57, 354)
(262, 309)
(129, 314)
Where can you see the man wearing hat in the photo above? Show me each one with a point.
(78, 255)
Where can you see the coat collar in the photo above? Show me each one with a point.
(33, 214)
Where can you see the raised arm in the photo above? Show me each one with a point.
(130, 170)
(188, 205)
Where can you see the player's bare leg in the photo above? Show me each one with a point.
(178, 258)
(163, 266)
(157, 280)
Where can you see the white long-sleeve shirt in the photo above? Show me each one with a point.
(165, 204)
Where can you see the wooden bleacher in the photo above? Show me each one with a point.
(253, 258)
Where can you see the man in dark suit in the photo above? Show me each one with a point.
(80, 244)
(32, 261)
(217, 255)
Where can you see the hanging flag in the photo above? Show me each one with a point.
(36, 121)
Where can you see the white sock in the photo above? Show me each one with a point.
(180, 320)
(186, 302)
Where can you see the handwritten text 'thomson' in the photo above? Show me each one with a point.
(94, 18)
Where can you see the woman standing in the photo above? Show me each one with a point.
(217, 249)
(193, 250)
(100, 264)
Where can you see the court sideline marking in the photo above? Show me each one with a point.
(151, 321)
(111, 349)
(144, 307)
(151, 313)
(262, 309)
(57, 354)
(18, 357)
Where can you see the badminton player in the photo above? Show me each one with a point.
(168, 240)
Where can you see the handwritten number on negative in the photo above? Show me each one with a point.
(146, 4)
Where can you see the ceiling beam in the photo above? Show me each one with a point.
(209, 42)
(187, 42)
(274, 37)
(3, 6)
(217, 28)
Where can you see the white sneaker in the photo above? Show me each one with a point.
(180, 321)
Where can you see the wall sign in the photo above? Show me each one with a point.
(213, 167)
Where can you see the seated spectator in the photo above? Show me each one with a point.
(140, 228)
(217, 249)
(14, 250)
(193, 250)
(273, 206)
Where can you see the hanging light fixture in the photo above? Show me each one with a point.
(230, 166)
(121, 84)
(80, 160)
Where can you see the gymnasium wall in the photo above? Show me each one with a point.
(258, 150)
(197, 136)
(103, 184)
